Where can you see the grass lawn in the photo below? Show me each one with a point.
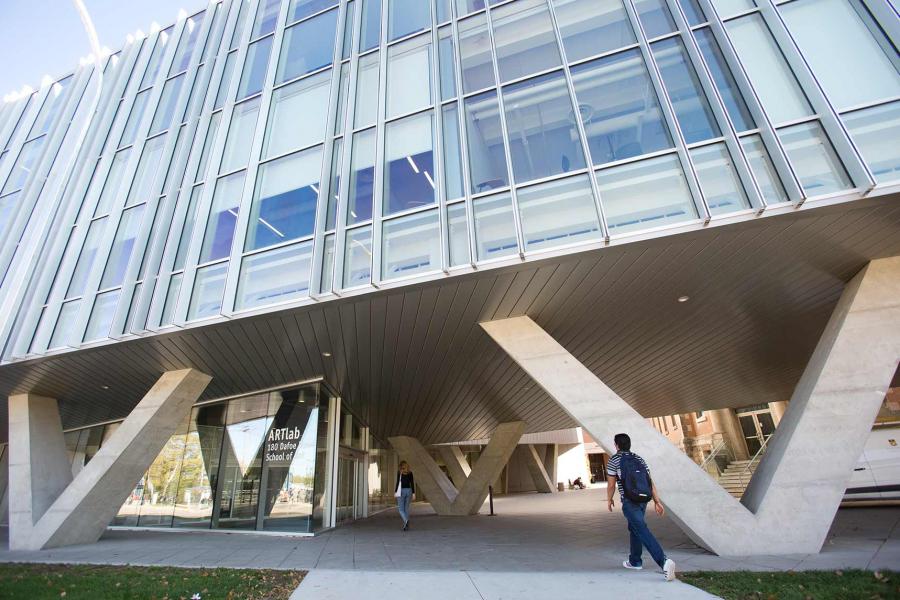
(801, 585)
(104, 582)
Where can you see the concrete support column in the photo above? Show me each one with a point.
(791, 501)
(724, 421)
(778, 409)
(551, 462)
(4, 485)
(539, 476)
(456, 462)
(467, 500)
(49, 508)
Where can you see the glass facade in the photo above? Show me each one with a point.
(272, 152)
(259, 462)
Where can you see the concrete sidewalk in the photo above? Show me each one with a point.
(326, 584)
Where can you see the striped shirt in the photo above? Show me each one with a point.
(613, 469)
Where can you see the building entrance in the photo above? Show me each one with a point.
(348, 505)
(757, 426)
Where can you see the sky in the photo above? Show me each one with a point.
(46, 37)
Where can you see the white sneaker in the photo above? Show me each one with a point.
(628, 565)
(669, 569)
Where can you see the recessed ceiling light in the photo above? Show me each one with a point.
(684, 298)
(326, 354)
(104, 387)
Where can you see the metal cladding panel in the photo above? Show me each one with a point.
(413, 360)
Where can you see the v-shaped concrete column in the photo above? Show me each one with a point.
(538, 472)
(456, 462)
(795, 493)
(467, 500)
(47, 507)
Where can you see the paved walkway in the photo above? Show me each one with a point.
(570, 535)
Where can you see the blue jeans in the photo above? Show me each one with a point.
(403, 503)
(640, 534)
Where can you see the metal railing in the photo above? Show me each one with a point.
(756, 458)
(717, 450)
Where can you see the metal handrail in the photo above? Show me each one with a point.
(755, 458)
(717, 449)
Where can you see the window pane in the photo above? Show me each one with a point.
(86, 258)
(655, 17)
(719, 181)
(447, 64)
(458, 234)
(558, 212)
(543, 138)
(240, 136)
(409, 164)
(300, 9)
(495, 229)
(266, 17)
(619, 108)
(366, 91)
(222, 217)
(524, 37)
(307, 47)
(590, 27)
(278, 275)
(407, 16)
(54, 101)
(298, 115)
(691, 107)
(334, 194)
(347, 42)
(343, 92)
(186, 44)
(188, 229)
(207, 145)
(876, 131)
(25, 164)
(156, 58)
(443, 11)
(8, 205)
(763, 170)
(645, 194)
(134, 118)
(173, 168)
(358, 257)
(475, 54)
(464, 7)
(113, 182)
(241, 21)
(453, 174)
(693, 12)
(853, 67)
(145, 186)
(254, 74)
(101, 316)
(133, 322)
(412, 245)
(284, 205)
(727, 8)
(814, 159)
(209, 286)
(197, 485)
(168, 313)
(409, 76)
(724, 80)
(64, 332)
(327, 264)
(227, 74)
(162, 120)
(123, 246)
(362, 177)
(371, 25)
(773, 80)
(487, 161)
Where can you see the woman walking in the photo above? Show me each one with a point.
(406, 492)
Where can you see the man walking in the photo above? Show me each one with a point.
(629, 473)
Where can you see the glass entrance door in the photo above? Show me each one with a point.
(347, 507)
(756, 427)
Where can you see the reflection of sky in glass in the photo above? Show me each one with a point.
(246, 438)
(304, 462)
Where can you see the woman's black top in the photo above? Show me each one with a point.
(406, 481)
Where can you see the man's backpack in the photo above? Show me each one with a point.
(635, 479)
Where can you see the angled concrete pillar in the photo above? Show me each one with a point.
(49, 508)
(4, 485)
(539, 476)
(792, 499)
(551, 462)
(456, 462)
(467, 500)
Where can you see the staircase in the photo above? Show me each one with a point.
(730, 479)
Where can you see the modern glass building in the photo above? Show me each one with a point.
(304, 199)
